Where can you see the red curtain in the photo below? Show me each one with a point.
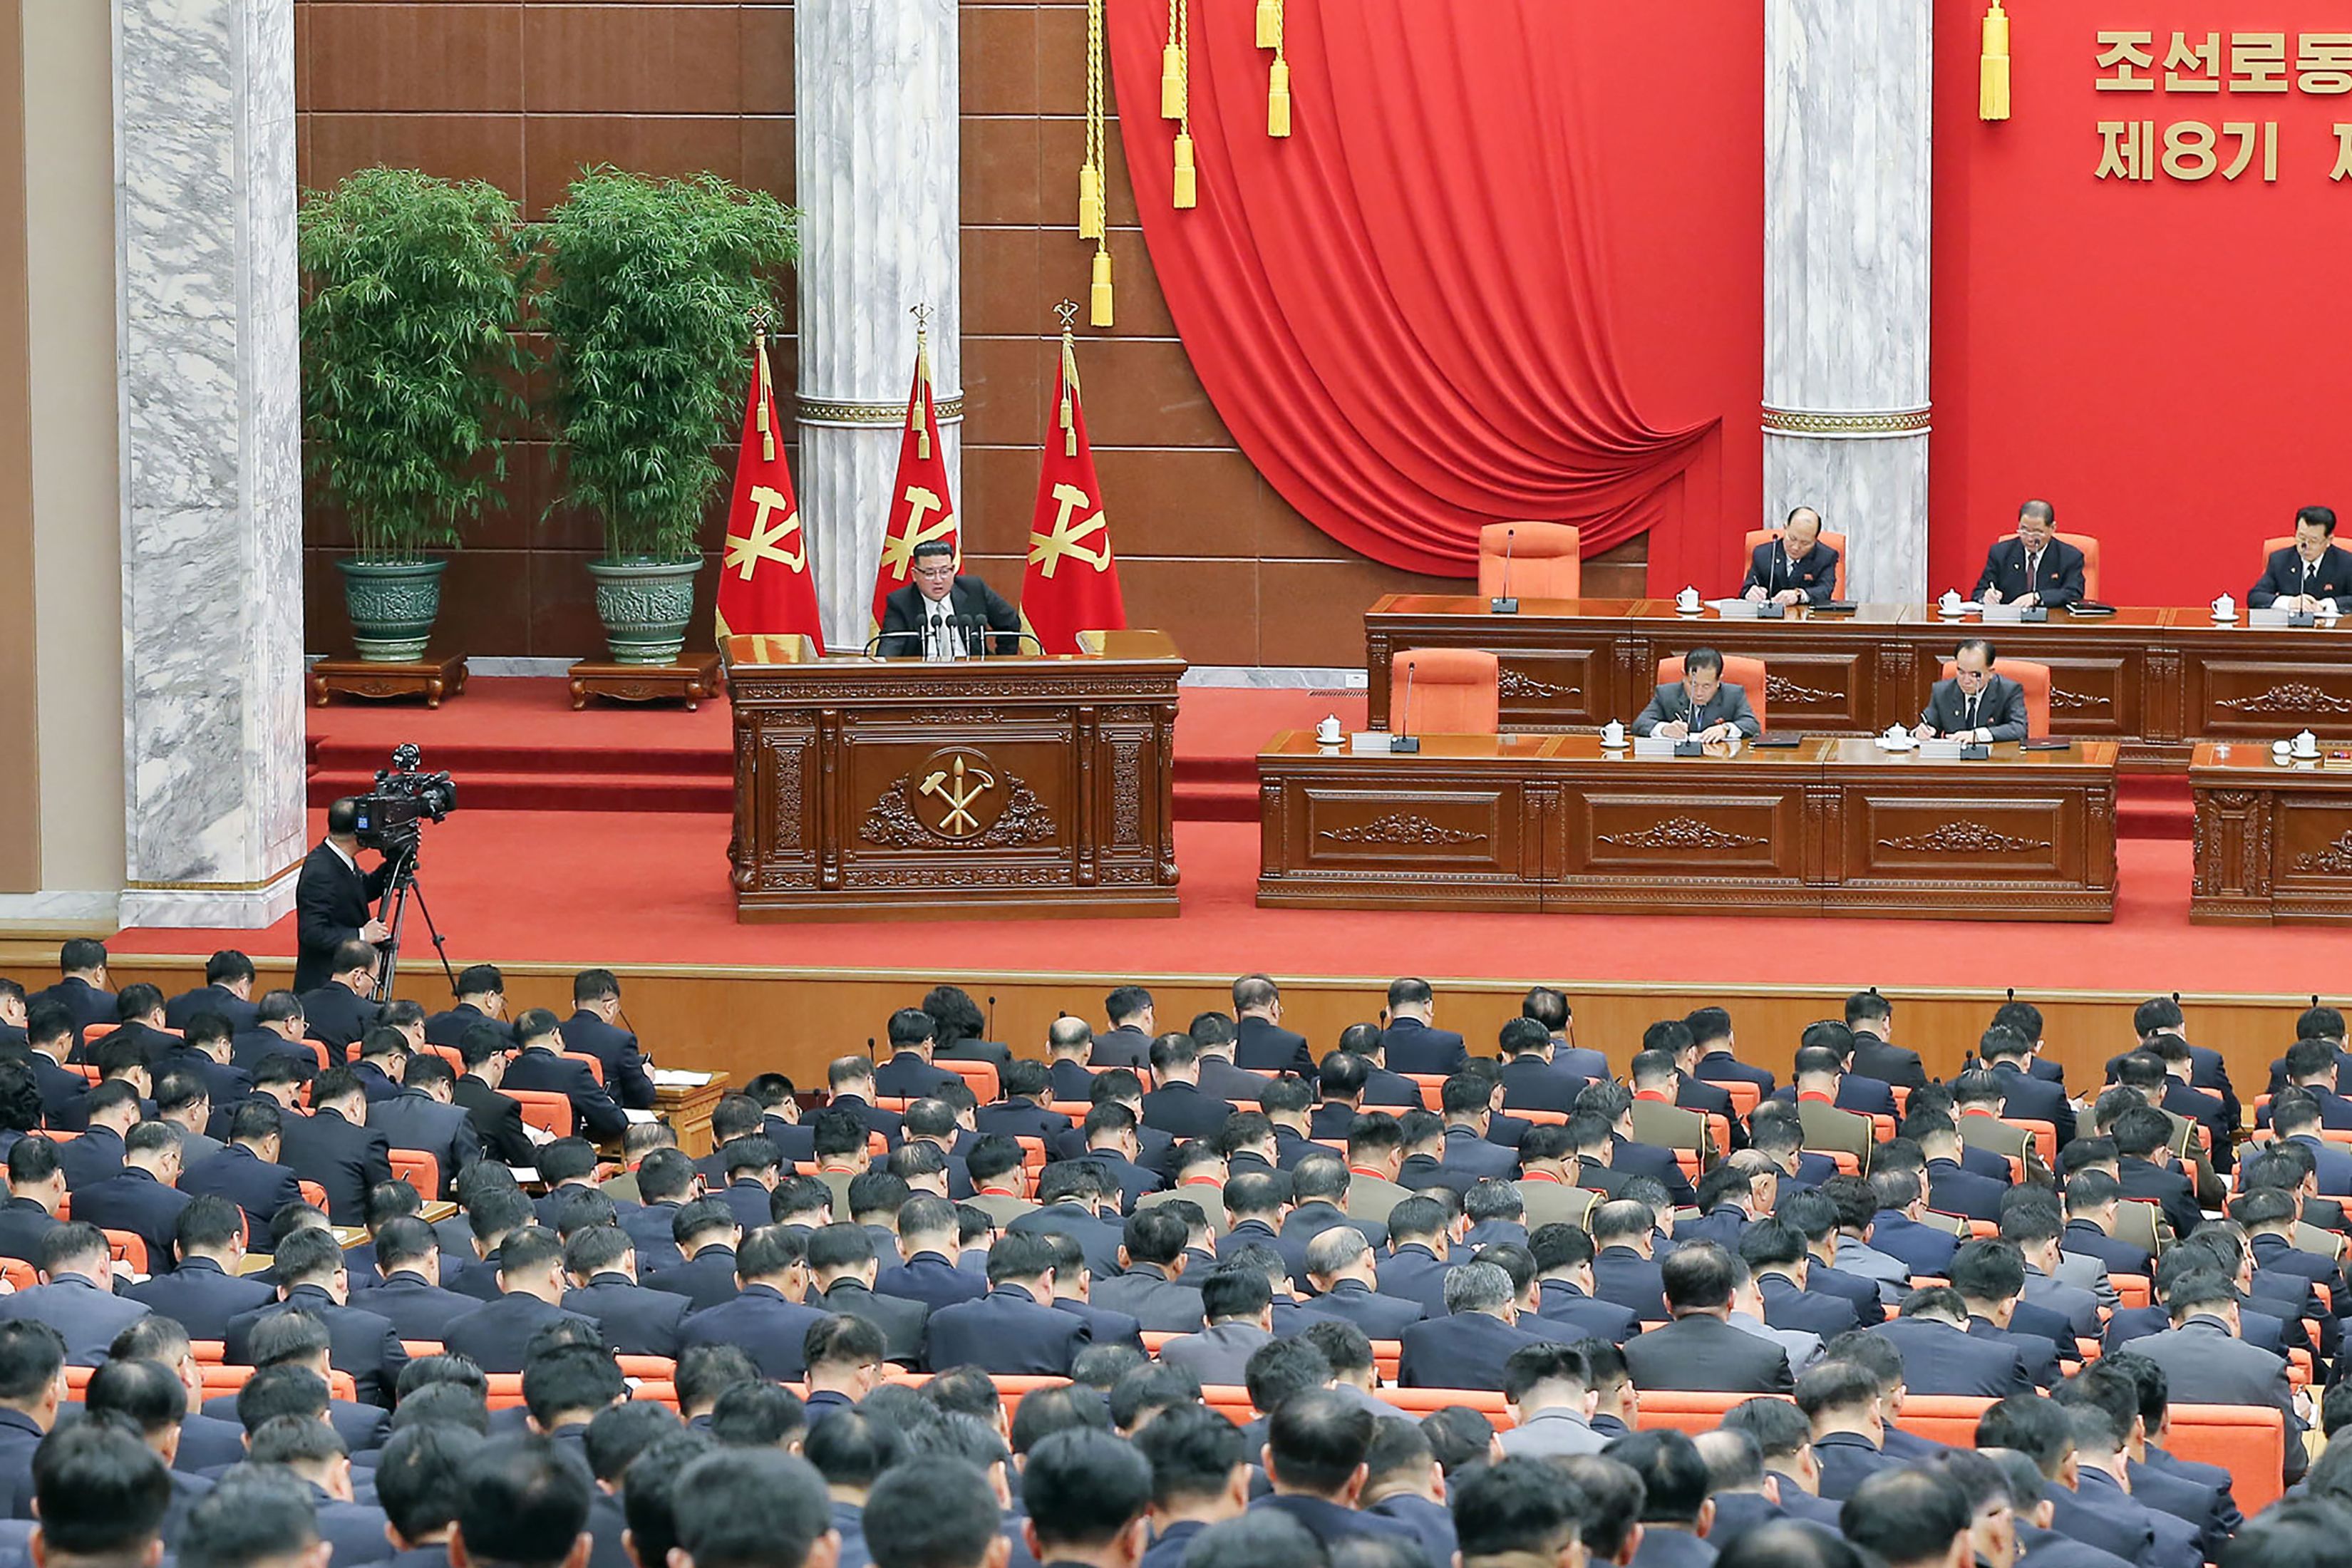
(1399, 311)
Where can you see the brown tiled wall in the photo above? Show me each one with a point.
(523, 92)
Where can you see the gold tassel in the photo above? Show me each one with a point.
(1090, 181)
(1070, 395)
(1188, 189)
(1098, 299)
(1090, 202)
(1993, 96)
(922, 427)
(767, 394)
(1269, 24)
(1172, 83)
(1277, 100)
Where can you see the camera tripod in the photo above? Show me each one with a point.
(401, 883)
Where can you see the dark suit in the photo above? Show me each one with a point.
(1702, 1352)
(18, 1438)
(1414, 1046)
(1263, 1044)
(1954, 1189)
(1099, 1237)
(1857, 1291)
(1647, 1159)
(1771, 568)
(2049, 1549)
(2034, 1098)
(900, 1320)
(541, 1069)
(2143, 1179)
(2056, 578)
(219, 1000)
(1624, 1276)
(1414, 1273)
(1673, 700)
(349, 1159)
(1108, 1326)
(1722, 1067)
(705, 1279)
(1007, 1332)
(2037, 1354)
(94, 1157)
(449, 1029)
(359, 1342)
(1221, 1080)
(1125, 1046)
(936, 1282)
(625, 1063)
(907, 1076)
(1531, 1083)
(1465, 1350)
(970, 602)
(495, 1333)
(1847, 1460)
(201, 1297)
(2284, 577)
(2000, 707)
(1559, 1303)
(1381, 1317)
(1787, 1307)
(416, 1309)
(225, 1083)
(336, 1016)
(1875, 1058)
(133, 1200)
(414, 1120)
(1940, 1359)
(2118, 1256)
(22, 1224)
(87, 1316)
(65, 1095)
(330, 905)
(770, 1328)
(497, 1119)
(207, 1441)
(85, 1002)
(1331, 1523)
(1181, 1110)
(635, 1320)
(1471, 1155)
(1921, 1248)
(1019, 1119)
(654, 1230)
(241, 1176)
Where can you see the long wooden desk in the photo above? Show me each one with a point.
(2153, 681)
(1553, 823)
(2274, 844)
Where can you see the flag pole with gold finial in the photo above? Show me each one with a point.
(1068, 311)
(915, 420)
(766, 416)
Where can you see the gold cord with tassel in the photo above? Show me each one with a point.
(915, 420)
(1069, 389)
(1993, 96)
(1171, 65)
(1098, 299)
(1269, 24)
(1187, 188)
(1277, 80)
(1090, 173)
(767, 396)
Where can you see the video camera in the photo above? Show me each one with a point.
(391, 816)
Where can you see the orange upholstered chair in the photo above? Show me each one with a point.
(1756, 536)
(1747, 674)
(2032, 675)
(1547, 561)
(1452, 692)
(2088, 543)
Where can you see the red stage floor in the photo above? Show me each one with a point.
(650, 888)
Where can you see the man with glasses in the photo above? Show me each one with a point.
(2036, 567)
(1975, 705)
(943, 613)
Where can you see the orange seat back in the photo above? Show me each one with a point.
(419, 1170)
(20, 1275)
(647, 1368)
(1420, 1401)
(1547, 561)
(1446, 691)
(978, 1077)
(1431, 1086)
(2247, 1440)
(314, 1194)
(504, 1390)
(128, 1249)
(543, 1109)
(1228, 1400)
(2030, 674)
(1685, 1410)
(1745, 1096)
(2045, 1136)
(1747, 674)
(594, 1066)
(1386, 1355)
(2088, 543)
(657, 1391)
(416, 1350)
(224, 1379)
(2131, 1290)
(216, 1351)
(1837, 542)
(1946, 1418)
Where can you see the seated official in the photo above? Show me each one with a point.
(2311, 576)
(1975, 705)
(942, 614)
(1796, 568)
(2036, 567)
(1701, 706)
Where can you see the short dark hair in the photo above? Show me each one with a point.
(1701, 1275)
(2320, 517)
(420, 1477)
(1082, 1487)
(571, 1379)
(939, 1514)
(251, 1517)
(1192, 1451)
(1674, 1478)
(2032, 1426)
(744, 1508)
(1909, 1515)
(755, 1415)
(1515, 1505)
(525, 1501)
(1702, 658)
(1316, 1439)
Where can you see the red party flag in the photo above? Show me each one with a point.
(763, 530)
(921, 510)
(1071, 583)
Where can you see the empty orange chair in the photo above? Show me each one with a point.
(1756, 536)
(2032, 675)
(2247, 1440)
(1446, 691)
(1547, 561)
(419, 1170)
(1747, 674)
(2089, 545)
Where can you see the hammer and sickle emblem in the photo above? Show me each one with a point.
(1069, 533)
(959, 795)
(766, 544)
(898, 546)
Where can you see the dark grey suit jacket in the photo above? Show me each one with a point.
(2001, 708)
(1671, 701)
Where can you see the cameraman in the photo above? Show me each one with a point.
(331, 899)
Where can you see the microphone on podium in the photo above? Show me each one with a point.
(1400, 742)
(1503, 603)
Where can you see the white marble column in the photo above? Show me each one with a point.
(876, 100)
(1848, 99)
(211, 501)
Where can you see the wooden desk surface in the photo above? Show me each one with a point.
(2273, 842)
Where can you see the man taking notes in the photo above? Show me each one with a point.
(1796, 568)
(1975, 705)
(1701, 706)
(2037, 567)
(2311, 576)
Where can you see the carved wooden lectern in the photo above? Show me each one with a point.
(1011, 788)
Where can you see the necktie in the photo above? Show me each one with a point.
(1970, 721)
(2308, 568)
(2032, 567)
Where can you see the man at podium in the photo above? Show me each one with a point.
(1701, 706)
(941, 614)
(1796, 568)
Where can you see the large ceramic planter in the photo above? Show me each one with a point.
(645, 606)
(392, 605)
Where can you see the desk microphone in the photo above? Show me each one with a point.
(1402, 741)
(1772, 582)
(1503, 603)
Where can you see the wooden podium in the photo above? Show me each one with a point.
(892, 789)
